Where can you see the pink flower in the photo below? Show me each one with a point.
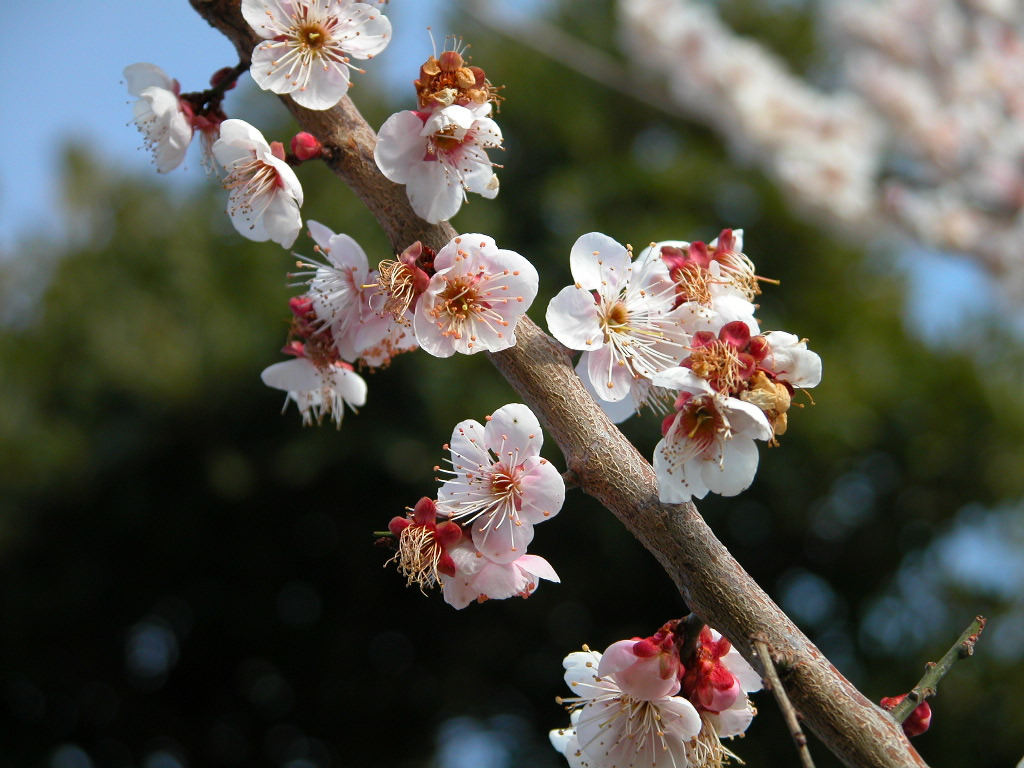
(620, 314)
(501, 486)
(479, 578)
(474, 299)
(708, 443)
(319, 391)
(264, 193)
(614, 727)
(308, 44)
(158, 113)
(439, 156)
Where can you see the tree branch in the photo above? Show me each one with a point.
(608, 467)
(929, 684)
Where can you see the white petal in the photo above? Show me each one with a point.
(374, 32)
(543, 490)
(145, 75)
(599, 263)
(399, 146)
(736, 471)
(325, 87)
(573, 318)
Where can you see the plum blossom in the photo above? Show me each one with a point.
(500, 485)
(319, 391)
(265, 194)
(708, 443)
(716, 681)
(439, 156)
(164, 122)
(715, 282)
(424, 545)
(477, 577)
(308, 45)
(474, 298)
(616, 724)
(347, 301)
(620, 314)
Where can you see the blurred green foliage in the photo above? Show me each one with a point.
(184, 572)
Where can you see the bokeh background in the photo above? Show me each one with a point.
(188, 578)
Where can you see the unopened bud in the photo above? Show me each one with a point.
(305, 146)
(917, 722)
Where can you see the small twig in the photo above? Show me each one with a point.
(774, 684)
(929, 684)
(571, 479)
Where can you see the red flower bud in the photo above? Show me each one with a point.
(917, 722)
(305, 146)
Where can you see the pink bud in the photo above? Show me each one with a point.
(640, 677)
(918, 721)
(305, 146)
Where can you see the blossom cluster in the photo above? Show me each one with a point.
(639, 705)
(439, 150)
(466, 298)
(473, 539)
(923, 131)
(675, 329)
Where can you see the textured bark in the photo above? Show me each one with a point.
(608, 467)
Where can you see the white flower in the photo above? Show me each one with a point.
(790, 360)
(475, 298)
(439, 156)
(613, 727)
(166, 128)
(265, 193)
(308, 44)
(709, 444)
(346, 298)
(479, 578)
(319, 392)
(500, 485)
(628, 330)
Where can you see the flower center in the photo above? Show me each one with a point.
(445, 140)
(719, 363)
(505, 485)
(418, 556)
(615, 318)
(312, 36)
(701, 422)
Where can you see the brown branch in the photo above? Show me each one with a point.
(608, 467)
(774, 684)
(929, 683)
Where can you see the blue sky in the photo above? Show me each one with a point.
(77, 93)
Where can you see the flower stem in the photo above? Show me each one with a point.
(774, 683)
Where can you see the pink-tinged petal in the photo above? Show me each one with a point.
(736, 470)
(345, 253)
(734, 721)
(617, 657)
(399, 146)
(267, 73)
(500, 539)
(374, 32)
(138, 77)
(750, 681)
(434, 193)
(502, 580)
(543, 490)
(469, 447)
(573, 318)
(513, 433)
(428, 335)
(537, 566)
(321, 235)
(680, 718)
(599, 263)
(257, 14)
(611, 377)
(325, 88)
